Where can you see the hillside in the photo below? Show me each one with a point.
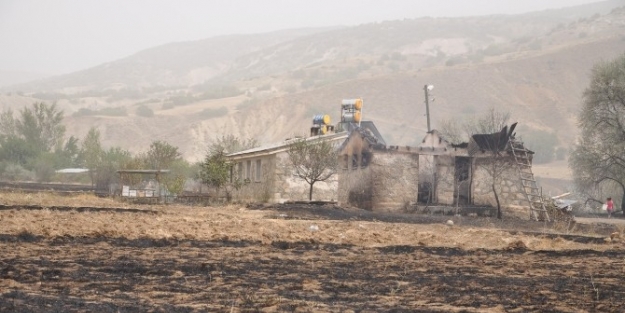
(173, 65)
(268, 86)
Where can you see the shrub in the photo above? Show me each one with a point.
(179, 100)
(213, 113)
(118, 111)
(15, 172)
(83, 112)
(144, 111)
(246, 104)
(217, 92)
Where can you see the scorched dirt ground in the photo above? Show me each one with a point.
(83, 254)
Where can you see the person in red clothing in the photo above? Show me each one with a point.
(609, 207)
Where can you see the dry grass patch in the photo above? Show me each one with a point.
(50, 199)
(234, 223)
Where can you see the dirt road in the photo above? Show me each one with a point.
(619, 222)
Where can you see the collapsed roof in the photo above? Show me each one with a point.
(367, 131)
(495, 142)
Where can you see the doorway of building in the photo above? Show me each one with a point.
(462, 180)
(427, 180)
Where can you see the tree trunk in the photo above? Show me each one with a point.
(499, 215)
(310, 192)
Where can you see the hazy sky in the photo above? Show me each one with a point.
(59, 36)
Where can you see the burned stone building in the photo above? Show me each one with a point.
(465, 173)
(373, 176)
(380, 177)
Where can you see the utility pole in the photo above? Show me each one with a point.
(427, 89)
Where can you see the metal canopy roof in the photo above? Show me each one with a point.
(143, 171)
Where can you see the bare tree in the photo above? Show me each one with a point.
(313, 161)
(492, 122)
(451, 130)
(231, 144)
(496, 167)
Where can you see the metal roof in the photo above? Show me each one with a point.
(72, 170)
(143, 171)
(277, 147)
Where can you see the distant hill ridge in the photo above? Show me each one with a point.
(268, 86)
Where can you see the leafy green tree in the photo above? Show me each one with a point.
(36, 130)
(69, 153)
(597, 159)
(180, 170)
(313, 161)
(41, 126)
(112, 160)
(91, 152)
(161, 155)
(216, 170)
(17, 151)
(44, 166)
(136, 162)
(116, 157)
(7, 123)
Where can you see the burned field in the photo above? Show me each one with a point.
(179, 259)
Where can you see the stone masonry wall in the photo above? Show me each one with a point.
(254, 189)
(278, 184)
(355, 188)
(509, 187)
(395, 180)
(288, 187)
(389, 183)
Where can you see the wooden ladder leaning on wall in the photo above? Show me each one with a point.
(529, 186)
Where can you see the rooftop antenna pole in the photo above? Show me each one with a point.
(427, 89)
